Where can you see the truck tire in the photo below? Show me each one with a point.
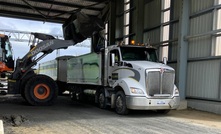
(41, 90)
(102, 100)
(120, 103)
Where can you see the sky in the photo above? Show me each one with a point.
(21, 48)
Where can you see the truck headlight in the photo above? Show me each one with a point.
(176, 92)
(136, 90)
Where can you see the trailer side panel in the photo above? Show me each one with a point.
(85, 69)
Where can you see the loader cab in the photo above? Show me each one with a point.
(6, 55)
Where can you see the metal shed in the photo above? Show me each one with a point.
(185, 31)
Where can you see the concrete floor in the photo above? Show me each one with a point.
(69, 117)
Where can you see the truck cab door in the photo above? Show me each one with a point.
(114, 60)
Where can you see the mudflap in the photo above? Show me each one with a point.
(13, 87)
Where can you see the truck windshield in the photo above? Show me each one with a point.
(138, 54)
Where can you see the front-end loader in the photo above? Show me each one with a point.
(39, 89)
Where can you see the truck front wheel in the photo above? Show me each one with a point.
(120, 103)
(41, 90)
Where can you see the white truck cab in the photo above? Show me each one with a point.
(145, 83)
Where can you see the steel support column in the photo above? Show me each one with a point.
(112, 23)
(139, 13)
(183, 48)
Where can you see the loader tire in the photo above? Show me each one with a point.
(24, 81)
(41, 90)
(23, 95)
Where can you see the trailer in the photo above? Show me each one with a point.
(125, 77)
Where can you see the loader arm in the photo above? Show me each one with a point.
(77, 28)
(43, 48)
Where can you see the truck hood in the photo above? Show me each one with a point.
(149, 65)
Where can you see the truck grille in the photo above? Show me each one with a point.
(160, 82)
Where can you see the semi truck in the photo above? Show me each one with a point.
(124, 77)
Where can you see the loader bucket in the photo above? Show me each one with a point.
(80, 26)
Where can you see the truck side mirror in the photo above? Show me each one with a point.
(112, 59)
(165, 60)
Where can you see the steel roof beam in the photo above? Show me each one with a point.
(38, 8)
(30, 16)
(66, 4)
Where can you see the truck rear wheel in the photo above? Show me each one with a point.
(41, 90)
(102, 100)
(120, 103)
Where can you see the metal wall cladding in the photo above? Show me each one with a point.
(175, 30)
(119, 7)
(153, 35)
(201, 24)
(198, 5)
(119, 19)
(133, 21)
(119, 26)
(200, 46)
(173, 47)
(203, 79)
(176, 9)
(173, 50)
(152, 14)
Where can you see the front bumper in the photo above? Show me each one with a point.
(144, 103)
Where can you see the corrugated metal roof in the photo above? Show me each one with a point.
(50, 10)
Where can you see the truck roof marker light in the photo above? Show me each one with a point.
(140, 44)
(132, 42)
